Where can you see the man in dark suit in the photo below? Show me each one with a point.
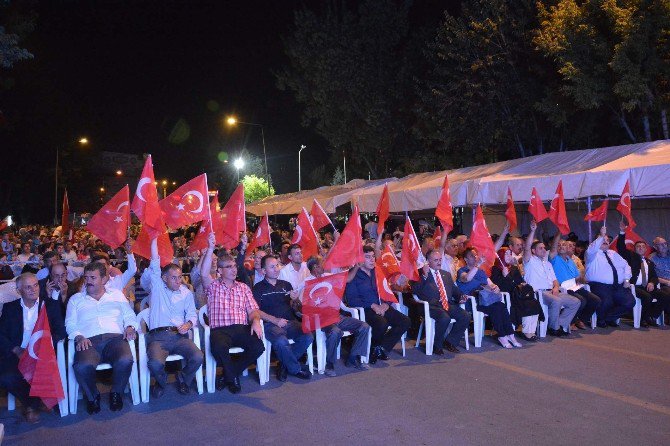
(436, 287)
(56, 286)
(645, 280)
(15, 336)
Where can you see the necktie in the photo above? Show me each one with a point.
(443, 293)
(643, 271)
(615, 275)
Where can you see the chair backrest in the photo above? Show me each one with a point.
(201, 316)
(143, 316)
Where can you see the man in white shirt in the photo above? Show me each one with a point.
(26, 256)
(119, 281)
(101, 321)
(171, 315)
(608, 275)
(69, 255)
(539, 274)
(296, 271)
(448, 250)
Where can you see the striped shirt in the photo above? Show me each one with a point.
(229, 305)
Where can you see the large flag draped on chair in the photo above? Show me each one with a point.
(510, 212)
(557, 212)
(348, 249)
(625, 206)
(599, 213)
(38, 363)
(188, 204)
(110, 223)
(536, 207)
(444, 211)
(145, 203)
(411, 251)
(480, 238)
(321, 299)
(305, 235)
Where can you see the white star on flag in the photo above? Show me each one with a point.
(180, 207)
(118, 220)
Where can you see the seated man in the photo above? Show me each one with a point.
(654, 300)
(539, 274)
(608, 276)
(436, 287)
(56, 286)
(118, 281)
(16, 327)
(230, 306)
(171, 315)
(101, 321)
(274, 298)
(48, 259)
(296, 270)
(661, 260)
(362, 292)
(333, 332)
(254, 276)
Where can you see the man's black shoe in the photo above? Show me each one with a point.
(372, 359)
(93, 406)
(282, 373)
(234, 386)
(612, 323)
(563, 333)
(602, 324)
(381, 353)
(451, 347)
(557, 333)
(220, 383)
(356, 363)
(183, 388)
(652, 322)
(303, 374)
(438, 350)
(115, 401)
(157, 391)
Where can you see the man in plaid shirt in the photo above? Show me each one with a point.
(230, 306)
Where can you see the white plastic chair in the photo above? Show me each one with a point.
(478, 317)
(145, 375)
(73, 384)
(210, 361)
(320, 338)
(63, 405)
(637, 309)
(429, 324)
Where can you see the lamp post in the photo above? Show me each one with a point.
(239, 164)
(231, 121)
(302, 147)
(164, 183)
(82, 142)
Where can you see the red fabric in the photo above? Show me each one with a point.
(4, 223)
(410, 252)
(536, 208)
(65, 218)
(321, 301)
(305, 236)
(262, 235)
(188, 204)
(557, 212)
(388, 263)
(38, 363)
(145, 203)
(142, 246)
(348, 249)
(624, 205)
(234, 221)
(598, 214)
(319, 217)
(444, 212)
(383, 209)
(383, 287)
(200, 240)
(480, 238)
(631, 238)
(437, 238)
(110, 223)
(510, 212)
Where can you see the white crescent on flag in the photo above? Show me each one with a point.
(385, 283)
(298, 231)
(200, 198)
(623, 199)
(553, 201)
(317, 300)
(140, 184)
(125, 203)
(33, 340)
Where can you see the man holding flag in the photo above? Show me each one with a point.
(18, 342)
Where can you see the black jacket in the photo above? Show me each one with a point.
(426, 289)
(635, 262)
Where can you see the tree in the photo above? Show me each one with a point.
(255, 188)
(338, 177)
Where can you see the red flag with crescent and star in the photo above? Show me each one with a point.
(145, 203)
(383, 210)
(444, 211)
(625, 207)
(38, 363)
(631, 238)
(261, 236)
(200, 240)
(510, 212)
(480, 238)
(557, 212)
(186, 205)
(536, 208)
(388, 264)
(348, 249)
(321, 299)
(234, 219)
(110, 223)
(319, 217)
(599, 213)
(411, 251)
(142, 246)
(305, 236)
(383, 287)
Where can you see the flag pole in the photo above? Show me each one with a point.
(209, 206)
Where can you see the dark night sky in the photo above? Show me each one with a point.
(122, 73)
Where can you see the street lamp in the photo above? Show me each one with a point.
(164, 183)
(231, 121)
(302, 147)
(83, 141)
(119, 172)
(239, 164)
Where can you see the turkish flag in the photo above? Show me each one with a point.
(557, 212)
(348, 249)
(411, 250)
(188, 204)
(234, 219)
(388, 264)
(383, 288)
(510, 212)
(38, 363)
(65, 218)
(598, 214)
(444, 212)
(261, 236)
(142, 246)
(480, 238)
(319, 217)
(437, 238)
(110, 223)
(624, 205)
(200, 240)
(631, 238)
(383, 209)
(305, 236)
(145, 203)
(321, 299)
(536, 208)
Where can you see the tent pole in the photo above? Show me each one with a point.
(588, 209)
